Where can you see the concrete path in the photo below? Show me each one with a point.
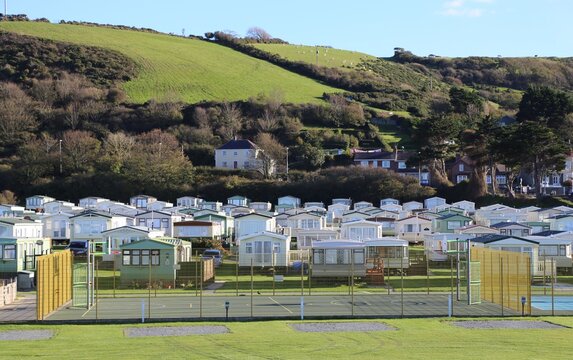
(23, 309)
(210, 290)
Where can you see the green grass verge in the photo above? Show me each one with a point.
(327, 57)
(180, 68)
(412, 339)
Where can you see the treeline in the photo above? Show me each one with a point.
(25, 58)
(514, 73)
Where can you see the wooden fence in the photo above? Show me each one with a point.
(53, 282)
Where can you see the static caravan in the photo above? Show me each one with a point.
(392, 252)
(264, 249)
(338, 258)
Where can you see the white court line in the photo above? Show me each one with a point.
(276, 302)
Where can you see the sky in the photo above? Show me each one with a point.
(441, 27)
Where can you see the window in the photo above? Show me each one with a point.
(235, 153)
(562, 251)
(461, 167)
(224, 153)
(555, 180)
(249, 248)
(318, 256)
(501, 179)
(401, 164)
(224, 164)
(9, 252)
(461, 178)
(140, 257)
(454, 225)
(386, 164)
(276, 248)
(488, 179)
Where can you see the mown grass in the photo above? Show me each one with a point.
(184, 69)
(328, 57)
(411, 339)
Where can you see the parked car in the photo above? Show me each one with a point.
(215, 255)
(78, 247)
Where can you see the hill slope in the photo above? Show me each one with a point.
(187, 69)
(326, 56)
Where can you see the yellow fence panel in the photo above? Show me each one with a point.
(54, 282)
(505, 277)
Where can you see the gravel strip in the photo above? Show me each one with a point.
(341, 326)
(506, 324)
(13, 335)
(175, 331)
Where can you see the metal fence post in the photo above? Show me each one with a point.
(97, 289)
(202, 265)
(274, 271)
(237, 274)
(352, 279)
(552, 287)
(149, 292)
(501, 281)
(114, 276)
(301, 276)
(252, 287)
(196, 273)
(427, 272)
(402, 285)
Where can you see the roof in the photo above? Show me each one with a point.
(154, 212)
(14, 221)
(486, 239)
(337, 244)
(238, 145)
(414, 217)
(382, 155)
(506, 224)
(132, 227)
(265, 233)
(239, 216)
(165, 241)
(194, 223)
(548, 233)
(93, 213)
(449, 216)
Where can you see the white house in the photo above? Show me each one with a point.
(19, 238)
(238, 200)
(261, 206)
(239, 210)
(468, 206)
(393, 252)
(117, 237)
(239, 154)
(91, 202)
(361, 230)
(305, 238)
(362, 205)
(189, 201)
(37, 202)
(514, 244)
(476, 230)
(314, 204)
(306, 221)
(118, 208)
(561, 222)
(389, 201)
(335, 212)
(264, 249)
(512, 228)
(56, 206)
(253, 223)
(8, 210)
(141, 202)
(196, 229)
(338, 258)
(355, 215)
(159, 205)
(211, 205)
(89, 225)
(392, 207)
(287, 202)
(57, 227)
(342, 201)
(555, 249)
(433, 202)
(413, 228)
(158, 220)
(412, 205)
(436, 245)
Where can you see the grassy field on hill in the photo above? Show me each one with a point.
(411, 339)
(328, 57)
(186, 69)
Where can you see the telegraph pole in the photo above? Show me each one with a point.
(5, 8)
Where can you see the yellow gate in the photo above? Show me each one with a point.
(53, 282)
(505, 277)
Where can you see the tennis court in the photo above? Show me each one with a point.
(282, 306)
(557, 303)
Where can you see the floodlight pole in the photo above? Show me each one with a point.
(5, 8)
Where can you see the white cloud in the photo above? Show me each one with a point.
(467, 8)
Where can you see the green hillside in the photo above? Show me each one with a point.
(190, 70)
(327, 56)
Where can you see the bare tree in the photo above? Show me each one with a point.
(8, 197)
(200, 117)
(272, 156)
(117, 148)
(230, 121)
(268, 122)
(16, 121)
(80, 149)
(258, 33)
(73, 115)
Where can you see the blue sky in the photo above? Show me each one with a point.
(442, 27)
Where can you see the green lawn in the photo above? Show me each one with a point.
(412, 339)
(328, 57)
(189, 70)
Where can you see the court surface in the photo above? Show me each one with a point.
(280, 306)
(543, 302)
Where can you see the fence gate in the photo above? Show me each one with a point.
(53, 281)
(83, 282)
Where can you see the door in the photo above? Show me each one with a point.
(235, 165)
